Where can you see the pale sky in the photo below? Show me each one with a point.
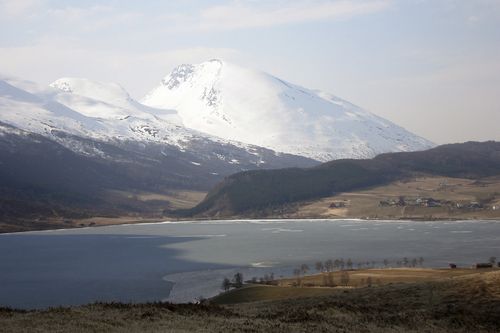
(431, 66)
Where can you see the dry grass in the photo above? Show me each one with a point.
(378, 277)
(467, 303)
(254, 293)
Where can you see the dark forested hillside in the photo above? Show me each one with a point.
(256, 190)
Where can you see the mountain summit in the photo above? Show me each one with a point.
(236, 103)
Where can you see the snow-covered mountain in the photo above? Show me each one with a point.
(84, 148)
(89, 109)
(96, 110)
(100, 120)
(106, 101)
(250, 106)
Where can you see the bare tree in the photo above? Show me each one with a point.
(414, 262)
(492, 260)
(405, 261)
(386, 263)
(421, 261)
(226, 284)
(304, 268)
(349, 263)
(238, 280)
(329, 265)
(319, 266)
(296, 273)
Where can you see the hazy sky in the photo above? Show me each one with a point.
(431, 66)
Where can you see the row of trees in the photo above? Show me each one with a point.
(329, 266)
(341, 264)
(266, 279)
(236, 282)
(328, 279)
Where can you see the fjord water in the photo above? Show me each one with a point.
(180, 261)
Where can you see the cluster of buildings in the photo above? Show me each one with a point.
(419, 202)
(431, 202)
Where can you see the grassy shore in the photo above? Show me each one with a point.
(461, 303)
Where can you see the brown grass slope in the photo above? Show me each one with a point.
(463, 304)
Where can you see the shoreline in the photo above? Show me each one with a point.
(216, 220)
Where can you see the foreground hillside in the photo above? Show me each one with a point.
(270, 192)
(463, 304)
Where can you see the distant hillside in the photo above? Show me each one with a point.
(254, 191)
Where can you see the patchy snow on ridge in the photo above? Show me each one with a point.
(250, 106)
(74, 110)
(50, 111)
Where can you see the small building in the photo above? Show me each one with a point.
(474, 205)
(338, 204)
(483, 265)
(388, 203)
(453, 266)
(431, 202)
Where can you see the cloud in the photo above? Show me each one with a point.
(19, 7)
(253, 14)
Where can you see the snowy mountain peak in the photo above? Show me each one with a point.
(106, 101)
(254, 107)
(102, 91)
(209, 70)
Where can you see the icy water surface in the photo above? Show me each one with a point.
(184, 260)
